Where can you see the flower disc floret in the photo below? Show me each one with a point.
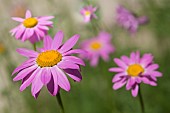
(49, 58)
(135, 70)
(30, 22)
(95, 45)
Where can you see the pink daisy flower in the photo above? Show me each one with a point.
(31, 28)
(127, 20)
(50, 66)
(99, 46)
(88, 13)
(135, 70)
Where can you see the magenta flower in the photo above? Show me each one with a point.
(88, 13)
(50, 66)
(127, 20)
(96, 47)
(135, 70)
(31, 28)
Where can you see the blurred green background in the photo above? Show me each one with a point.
(94, 94)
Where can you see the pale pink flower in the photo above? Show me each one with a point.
(128, 20)
(134, 71)
(50, 66)
(97, 47)
(88, 13)
(31, 28)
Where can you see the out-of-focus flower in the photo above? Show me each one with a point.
(127, 20)
(50, 66)
(31, 28)
(2, 47)
(88, 13)
(135, 70)
(99, 46)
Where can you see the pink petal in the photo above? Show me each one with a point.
(115, 69)
(30, 79)
(105, 56)
(142, 20)
(57, 40)
(118, 77)
(74, 59)
(26, 64)
(145, 80)
(28, 14)
(138, 79)
(152, 83)
(43, 28)
(47, 42)
(26, 77)
(87, 18)
(152, 67)
(94, 60)
(20, 32)
(133, 57)
(24, 36)
(56, 81)
(82, 11)
(36, 95)
(125, 59)
(69, 44)
(40, 32)
(74, 74)
(44, 18)
(53, 85)
(75, 51)
(36, 85)
(34, 38)
(118, 85)
(120, 63)
(156, 74)
(30, 32)
(24, 73)
(146, 59)
(62, 79)
(18, 19)
(67, 65)
(105, 36)
(130, 83)
(135, 91)
(46, 23)
(14, 30)
(37, 37)
(137, 57)
(27, 53)
(153, 78)
(94, 9)
(94, 16)
(46, 76)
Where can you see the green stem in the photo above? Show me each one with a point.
(34, 46)
(141, 100)
(93, 27)
(60, 103)
(88, 2)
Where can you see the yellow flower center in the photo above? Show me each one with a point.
(87, 13)
(49, 58)
(30, 22)
(135, 70)
(95, 45)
